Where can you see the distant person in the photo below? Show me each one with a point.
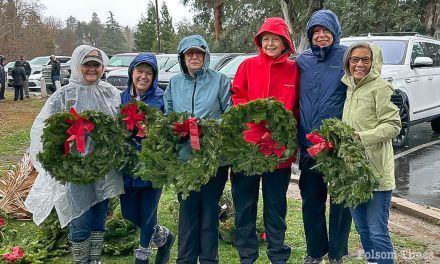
(2, 78)
(322, 96)
(369, 110)
(28, 69)
(269, 74)
(19, 77)
(55, 73)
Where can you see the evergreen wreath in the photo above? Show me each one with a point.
(73, 167)
(344, 164)
(257, 158)
(136, 118)
(159, 159)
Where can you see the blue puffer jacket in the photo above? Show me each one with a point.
(206, 95)
(153, 97)
(322, 94)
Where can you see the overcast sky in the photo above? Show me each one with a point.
(127, 12)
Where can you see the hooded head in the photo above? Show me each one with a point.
(277, 26)
(18, 64)
(85, 54)
(328, 20)
(143, 58)
(362, 62)
(193, 42)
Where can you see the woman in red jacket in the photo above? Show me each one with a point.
(270, 74)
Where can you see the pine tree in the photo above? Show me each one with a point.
(112, 40)
(145, 34)
(167, 33)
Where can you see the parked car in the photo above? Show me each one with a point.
(412, 65)
(217, 61)
(37, 65)
(166, 61)
(7, 66)
(232, 66)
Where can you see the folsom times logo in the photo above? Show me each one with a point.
(401, 254)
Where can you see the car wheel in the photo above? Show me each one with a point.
(435, 125)
(402, 138)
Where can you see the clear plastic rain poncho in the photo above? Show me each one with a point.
(72, 200)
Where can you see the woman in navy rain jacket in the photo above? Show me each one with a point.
(140, 201)
(322, 96)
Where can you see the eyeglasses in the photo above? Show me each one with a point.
(191, 53)
(355, 60)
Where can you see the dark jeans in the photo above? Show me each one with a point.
(198, 222)
(54, 79)
(314, 196)
(245, 190)
(92, 220)
(2, 91)
(371, 221)
(18, 92)
(139, 205)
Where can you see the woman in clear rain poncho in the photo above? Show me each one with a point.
(83, 206)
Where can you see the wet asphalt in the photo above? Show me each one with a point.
(417, 167)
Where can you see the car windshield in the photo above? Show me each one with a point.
(121, 60)
(393, 51)
(230, 68)
(39, 61)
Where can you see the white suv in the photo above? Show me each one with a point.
(412, 65)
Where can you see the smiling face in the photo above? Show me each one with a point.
(322, 37)
(142, 76)
(360, 63)
(92, 71)
(272, 44)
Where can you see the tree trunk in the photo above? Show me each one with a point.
(289, 13)
(218, 15)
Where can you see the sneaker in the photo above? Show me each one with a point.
(336, 261)
(312, 260)
(163, 252)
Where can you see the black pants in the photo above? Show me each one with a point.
(2, 91)
(245, 190)
(18, 91)
(314, 196)
(198, 222)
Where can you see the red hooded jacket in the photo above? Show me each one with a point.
(264, 76)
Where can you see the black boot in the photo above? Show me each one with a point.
(164, 240)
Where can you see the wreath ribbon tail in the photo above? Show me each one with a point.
(319, 144)
(194, 133)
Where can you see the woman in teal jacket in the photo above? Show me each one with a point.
(203, 93)
(369, 110)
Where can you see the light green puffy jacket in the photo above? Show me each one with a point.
(369, 110)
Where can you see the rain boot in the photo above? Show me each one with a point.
(141, 255)
(163, 239)
(96, 245)
(81, 251)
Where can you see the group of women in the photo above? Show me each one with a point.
(205, 93)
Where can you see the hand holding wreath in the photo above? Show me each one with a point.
(342, 159)
(69, 136)
(258, 147)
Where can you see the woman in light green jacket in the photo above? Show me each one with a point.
(369, 110)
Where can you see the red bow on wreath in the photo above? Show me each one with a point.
(133, 119)
(13, 256)
(319, 144)
(259, 134)
(77, 131)
(189, 127)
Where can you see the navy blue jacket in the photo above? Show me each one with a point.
(322, 93)
(153, 97)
